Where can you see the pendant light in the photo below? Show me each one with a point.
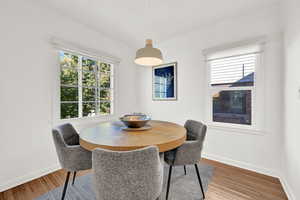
(148, 56)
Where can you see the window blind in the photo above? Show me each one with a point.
(234, 70)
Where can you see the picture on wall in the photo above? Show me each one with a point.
(164, 82)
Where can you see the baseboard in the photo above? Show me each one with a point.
(240, 164)
(287, 189)
(28, 177)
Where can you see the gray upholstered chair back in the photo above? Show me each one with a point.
(195, 130)
(128, 175)
(190, 151)
(68, 133)
(71, 155)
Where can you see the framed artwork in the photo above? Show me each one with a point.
(164, 82)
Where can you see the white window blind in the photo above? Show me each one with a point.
(237, 70)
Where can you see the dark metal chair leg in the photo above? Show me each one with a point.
(184, 170)
(169, 180)
(74, 176)
(200, 182)
(65, 186)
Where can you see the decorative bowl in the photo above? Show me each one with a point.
(135, 121)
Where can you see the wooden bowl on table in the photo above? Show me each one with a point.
(135, 121)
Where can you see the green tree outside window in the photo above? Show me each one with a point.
(85, 86)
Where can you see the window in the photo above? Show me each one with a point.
(232, 106)
(232, 85)
(86, 87)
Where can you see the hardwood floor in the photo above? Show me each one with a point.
(228, 183)
(232, 183)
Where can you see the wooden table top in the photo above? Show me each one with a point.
(110, 135)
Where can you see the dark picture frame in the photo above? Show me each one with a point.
(164, 82)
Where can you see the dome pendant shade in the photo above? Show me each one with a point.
(148, 56)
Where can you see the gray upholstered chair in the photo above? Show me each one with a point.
(189, 153)
(128, 175)
(71, 155)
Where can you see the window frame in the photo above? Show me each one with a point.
(57, 95)
(80, 86)
(257, 95)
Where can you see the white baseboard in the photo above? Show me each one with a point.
(287, 188)
(240, 164)
(28, 177)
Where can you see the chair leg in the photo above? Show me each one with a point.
(65, 186)
(200, 182)
(184, 170)
(169, 180)
(74, 176)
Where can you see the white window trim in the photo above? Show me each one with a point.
(258, 101)
(60, 45)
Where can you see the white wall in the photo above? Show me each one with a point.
(292, 98)
(28, 72)
(258, 152)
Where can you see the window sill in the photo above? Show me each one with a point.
(88, 117)
(236, 129)
(87, 120)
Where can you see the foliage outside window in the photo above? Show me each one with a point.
(232, 81)
(86, 86)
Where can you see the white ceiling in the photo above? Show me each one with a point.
(132, 21)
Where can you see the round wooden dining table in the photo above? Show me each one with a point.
(111, 135)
